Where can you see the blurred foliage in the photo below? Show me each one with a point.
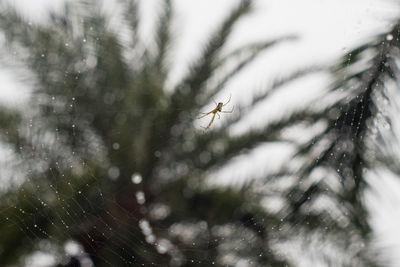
(111, 160)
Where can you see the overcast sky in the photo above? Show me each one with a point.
(327, 29)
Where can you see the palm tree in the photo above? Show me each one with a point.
(107, 159)
(100, 118)
(353, 142)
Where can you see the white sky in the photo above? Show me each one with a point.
(327, 28)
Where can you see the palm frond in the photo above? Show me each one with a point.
(247, 54)
(201, 71)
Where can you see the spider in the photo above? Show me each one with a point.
(215, 112)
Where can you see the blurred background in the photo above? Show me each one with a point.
(104, 161)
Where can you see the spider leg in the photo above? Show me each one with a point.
(205, 114)
(219, 117)
(230, 95)
(228, 111)
(208, 126)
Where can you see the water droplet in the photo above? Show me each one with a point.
(113, 172)
(150, 239)
(389, 37)
(136, 178)
(140, 198)
(115, 146)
